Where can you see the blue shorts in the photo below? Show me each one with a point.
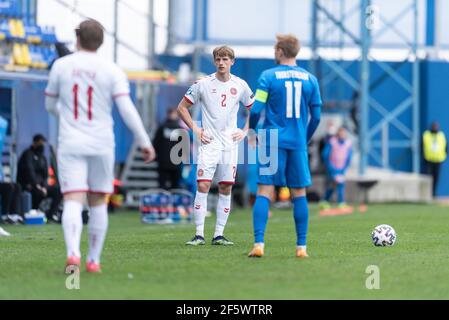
(291, 168)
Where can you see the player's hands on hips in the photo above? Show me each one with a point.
(239, 135)
(204, 137)
(252, 141)
(149, 154)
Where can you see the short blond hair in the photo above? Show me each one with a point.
(289, 44)
(224, 51)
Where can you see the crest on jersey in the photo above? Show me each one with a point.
(214, 90)
(234, 91)
(200, 173)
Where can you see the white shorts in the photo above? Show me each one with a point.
(86, 173)
(214, 162)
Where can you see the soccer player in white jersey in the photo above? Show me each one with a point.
(81, 91)
(219, 96)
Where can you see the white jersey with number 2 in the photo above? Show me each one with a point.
(219, 105)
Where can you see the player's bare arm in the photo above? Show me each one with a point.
(132, 119)
(52, 92)
(51, 104)
(148, 153)
(240, 134)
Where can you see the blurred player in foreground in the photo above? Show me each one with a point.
(289, 95)
(219, 96)
(81, 91)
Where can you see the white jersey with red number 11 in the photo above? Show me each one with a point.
(86, 85)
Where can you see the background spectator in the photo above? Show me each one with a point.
(435, 152)
(10, 192)
(169, 174)
(337, 155)
(32, 175)
(331, 131)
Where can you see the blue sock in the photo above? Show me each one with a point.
(341, 192)
(260, 217)
(301, 214)
(328, 194)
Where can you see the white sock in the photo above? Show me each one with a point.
(260, 244)
(72, 224)
(301, 247)
(199, 211)
(98, 226)
(223, 211)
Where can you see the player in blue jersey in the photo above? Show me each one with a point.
(291, 98)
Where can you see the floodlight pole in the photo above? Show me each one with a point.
(29, 10)
(314, 40)
(416, 96)
(115, 32)
(198, 35)
(364, 86)
(171, 33)
(151, 35)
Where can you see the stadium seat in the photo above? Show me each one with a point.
(4, 30)
(49, 55)
(17, 29)
(34, 56)
(21, 54)
(49, 35)
(5, 54)
(26, 55)
(46, 56)
(37, 57)
(23, 44)
(33, 33)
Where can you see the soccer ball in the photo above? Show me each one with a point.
(383, 236)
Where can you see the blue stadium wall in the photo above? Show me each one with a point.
(435, 106)
(434, 97)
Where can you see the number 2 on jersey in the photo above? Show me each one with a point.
(223, 102)
(294, 89)
(90, 92)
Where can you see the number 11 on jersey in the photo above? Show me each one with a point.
(90, 92)
(294, 89)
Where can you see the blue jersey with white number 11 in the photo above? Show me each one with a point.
(288, 93)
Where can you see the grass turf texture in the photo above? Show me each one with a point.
(152, 262)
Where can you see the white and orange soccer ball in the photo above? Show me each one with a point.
(383, 236)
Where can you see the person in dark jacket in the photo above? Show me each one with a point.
(32, 175)
(169, 173)
(10, 192)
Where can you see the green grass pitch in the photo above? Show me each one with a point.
(152, 262)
